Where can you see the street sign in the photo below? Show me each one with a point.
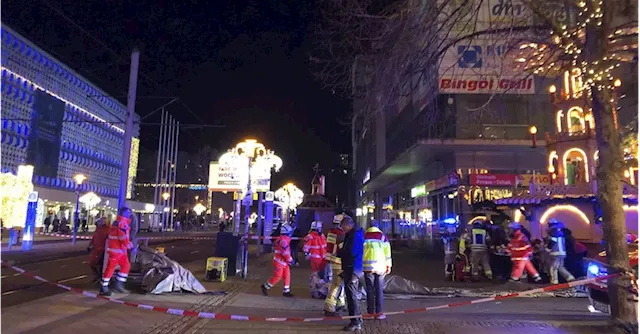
(269, 196)
(248, 199)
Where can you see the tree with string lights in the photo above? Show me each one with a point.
(368, 48)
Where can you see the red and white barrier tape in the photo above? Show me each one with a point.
(218, 316)
(150, 238)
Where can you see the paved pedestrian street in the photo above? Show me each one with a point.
(75, 313)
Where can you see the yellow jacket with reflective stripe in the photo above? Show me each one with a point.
(377, 251)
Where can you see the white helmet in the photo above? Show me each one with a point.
(316, 225)
(337, 219)
(286, 229)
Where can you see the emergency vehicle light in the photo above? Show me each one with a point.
(450, 221)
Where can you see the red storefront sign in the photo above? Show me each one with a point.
(493, 179)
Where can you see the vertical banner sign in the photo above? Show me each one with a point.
(268, 219)
(46, 130)
(30, 223)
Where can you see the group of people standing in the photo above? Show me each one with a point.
(488, 249)
(345, 256)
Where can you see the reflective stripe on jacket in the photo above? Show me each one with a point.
(282, 251)
(556, 246)
(118, 238)
(315, 245)
(478, 240)
(335, 239)
(519, 247)
(377, 251)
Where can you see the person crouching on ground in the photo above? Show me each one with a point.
(315, 244)
(96, 247)
(520, 251)
(117, 245)
(282, 261)
(376, 263)
(351, 257)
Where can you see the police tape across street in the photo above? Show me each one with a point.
(220, 316)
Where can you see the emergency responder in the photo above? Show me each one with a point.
(520, 251)
(282, 261)
(376, 263)
(116, 253)
(478, 242)
(96, 247)
(351, 256)
(335, 298)
(315, 244)
(555, 246)
(450, 243)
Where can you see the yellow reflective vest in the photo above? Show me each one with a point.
(377, 251)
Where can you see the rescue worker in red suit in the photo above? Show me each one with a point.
(282, 261)
(96, 247)
(315, 246)
(520, 250)
(118, 244)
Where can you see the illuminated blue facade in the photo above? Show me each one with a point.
(58, 121)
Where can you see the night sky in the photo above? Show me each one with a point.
(239, 63)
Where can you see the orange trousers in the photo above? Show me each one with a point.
(521, 265)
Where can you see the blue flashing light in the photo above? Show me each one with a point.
(450, 221)
(593, 269)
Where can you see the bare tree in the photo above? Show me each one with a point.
(371, 50)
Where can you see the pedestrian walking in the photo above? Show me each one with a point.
(376, 263)
(116, 252)
(295, 243)
(333, 267)
(282, 261)
(351, 257)
(47, 224)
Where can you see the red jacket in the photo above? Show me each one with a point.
(118, 239)
(99, 238)
(282, 251)
(335, 238)
(315, 245)
(519, 247)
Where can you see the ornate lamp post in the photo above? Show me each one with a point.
(291, 196)
(79, 178)
(259, 161)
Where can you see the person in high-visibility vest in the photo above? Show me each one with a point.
(315, 244)
(478, 239)
(376, 263)
(555, 246)
(335, 300)
(118, 244)
(282, 261)
(450, 245)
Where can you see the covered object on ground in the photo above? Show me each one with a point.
(161, 274)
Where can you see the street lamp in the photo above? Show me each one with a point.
(533, 130)
(79, 178)
(291, 196)
(165, 197)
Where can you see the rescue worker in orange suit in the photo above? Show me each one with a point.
(282, 262)
(117, 246)
(520, 251)
(335, 298)
(96, 247)
(315, 244)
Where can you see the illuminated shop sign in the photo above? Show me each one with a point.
(418, 191)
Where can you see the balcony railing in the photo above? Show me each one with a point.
(569, 136)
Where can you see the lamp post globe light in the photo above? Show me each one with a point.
(291, 196)
(79, 179)
(165, 197)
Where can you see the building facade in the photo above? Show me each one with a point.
(63, 125)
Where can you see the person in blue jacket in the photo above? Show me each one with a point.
(351, 257)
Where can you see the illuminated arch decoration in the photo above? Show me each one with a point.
(576, 83)
(559, 117)
(564, 207)
(596, 155)
(552, 156)
(580, 114)
(589, 118)
(476, 218)
(586, 163)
